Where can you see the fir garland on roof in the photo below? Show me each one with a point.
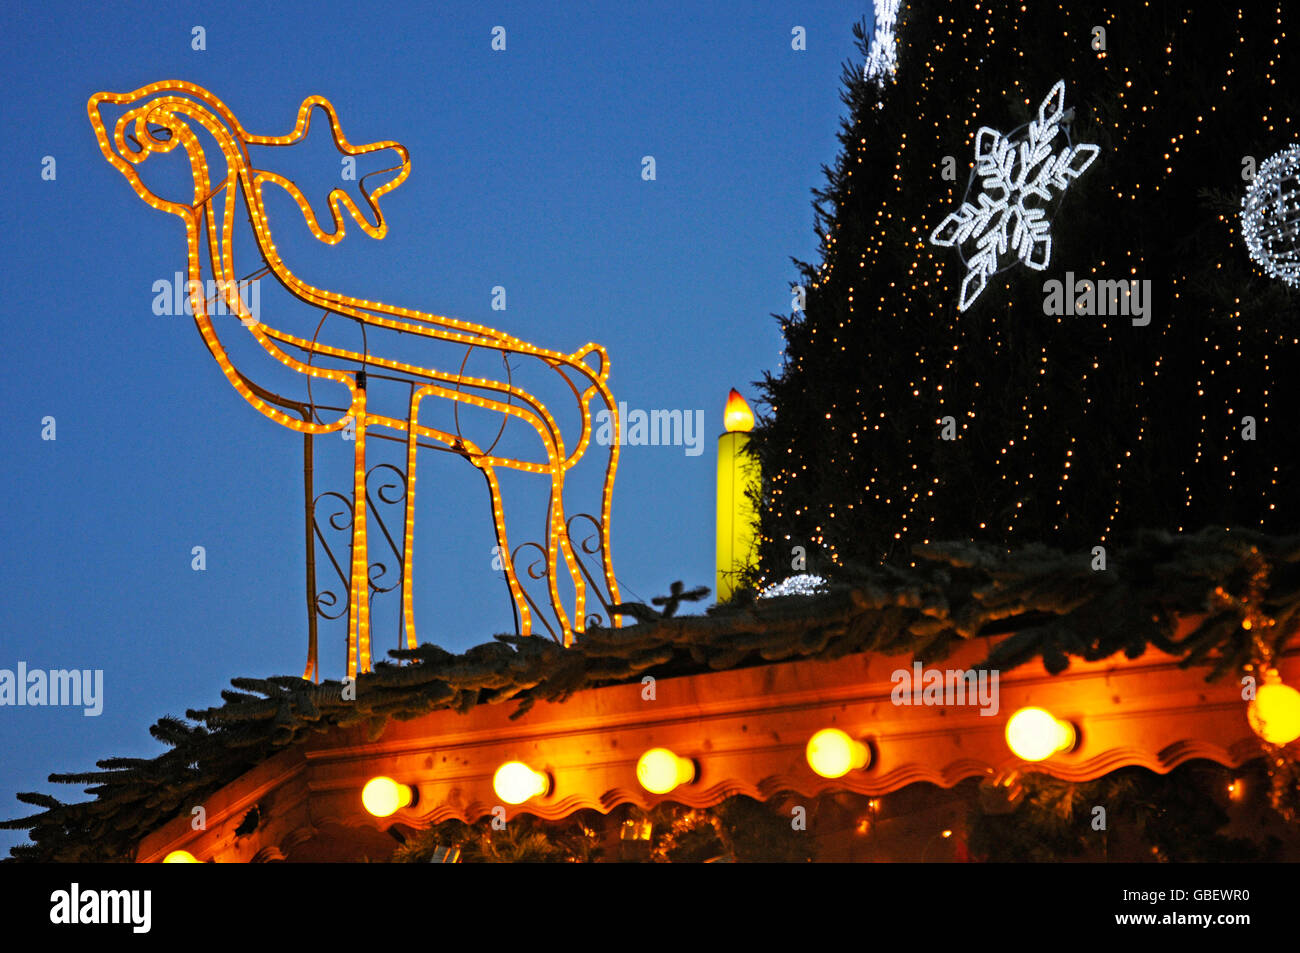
(1244, 585)
(1179, 817)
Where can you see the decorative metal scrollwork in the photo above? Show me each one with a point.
(328, 598)
(589, 545)
(537, 569)
(388, 494)
(335, 603)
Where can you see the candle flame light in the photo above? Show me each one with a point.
(737, 416)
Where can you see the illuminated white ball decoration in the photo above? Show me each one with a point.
(383, 797)
(833, 753)
(660, 770)
(1270, 216)
(1035, 734)
(1274, 712)
(515, 782)
(1017, 174)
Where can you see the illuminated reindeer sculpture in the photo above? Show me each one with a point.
(172, 115)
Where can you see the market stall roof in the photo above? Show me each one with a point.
(739, 690)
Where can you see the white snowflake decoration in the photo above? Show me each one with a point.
(804, 584)
(1270, 216)
(1017, 171)
(882, 59)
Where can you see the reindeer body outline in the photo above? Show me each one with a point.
(173, 106)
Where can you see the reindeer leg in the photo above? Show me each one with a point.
(475, 456)
(558, 545)
(606, 509)
(359, 640)
(408, 538)
(503, 547)
(598, 389)
(570, 558)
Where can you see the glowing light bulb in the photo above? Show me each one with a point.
(180, 857)
(737, 416)
(1034, 734)
(833, 754)
(515, 782)
(383, 796)
(660, 770)
(1274, 712)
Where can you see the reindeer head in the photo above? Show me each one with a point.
(162, 116)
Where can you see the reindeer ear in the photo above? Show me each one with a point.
(106, 111)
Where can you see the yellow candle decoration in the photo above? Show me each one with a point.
(737, 476)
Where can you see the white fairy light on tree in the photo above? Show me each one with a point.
(1021, 173)
(882, 61)
(804, 584)
(1270, 216)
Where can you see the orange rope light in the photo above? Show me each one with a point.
(178, 107)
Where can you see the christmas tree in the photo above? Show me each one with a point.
(916, 405)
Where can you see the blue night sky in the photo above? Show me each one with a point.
(526, 173)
